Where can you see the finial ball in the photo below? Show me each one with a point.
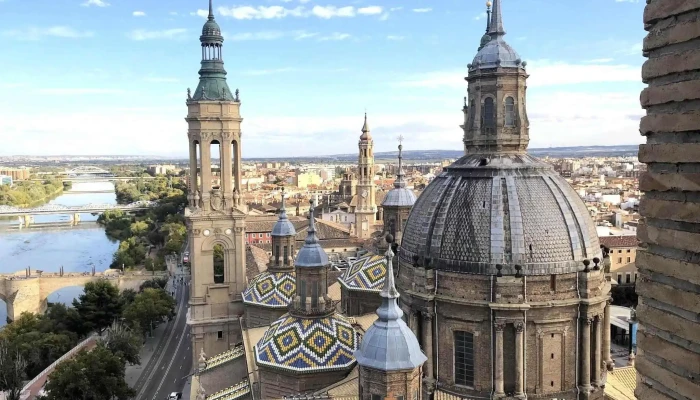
(400, 147)
(488, 4)
(390, 238)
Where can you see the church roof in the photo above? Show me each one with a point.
(308, 344)
(367, 274)
(271, 289)
(223, 358)
(496, 52)
(234, 392)
(283, 227)
(311, 255)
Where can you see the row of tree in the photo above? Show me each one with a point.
(162, 226)
(32, 342)
(28, 193)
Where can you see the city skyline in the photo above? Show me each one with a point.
(296, 56)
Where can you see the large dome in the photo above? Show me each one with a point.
(500, 209)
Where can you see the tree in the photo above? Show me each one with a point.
(139, 228)
(148, 309)
(90, 375)
(12, 371)
(123, 342)
(127, 296)
(99, 305)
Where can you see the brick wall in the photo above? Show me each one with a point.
(668, 362)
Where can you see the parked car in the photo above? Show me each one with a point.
(174, 396)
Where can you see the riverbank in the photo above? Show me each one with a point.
(39, 202)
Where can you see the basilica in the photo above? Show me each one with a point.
(489, 285)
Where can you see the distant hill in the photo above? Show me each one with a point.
(437, 155)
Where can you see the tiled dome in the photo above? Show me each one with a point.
(500, 209)
(273, 290)
(366, 274)
(301, 344)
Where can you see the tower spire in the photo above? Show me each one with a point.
(389, 310)
(496, 25)
(365, 130)
(399, 182)
(211, 11)
(283, 209)
(311, 238)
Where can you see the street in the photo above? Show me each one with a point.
(167, 370)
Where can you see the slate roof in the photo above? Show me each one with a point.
(308, 344)
(367, 274)
(619, 241)
(272, 290)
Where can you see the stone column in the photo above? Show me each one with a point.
(225, 160)
(606, 337)
(206, 167)
(237, 164)
(428, 343)
(413, 320)
(519, 366)
(585, 372)
(193, 172)
(498, 370)
(598, 351)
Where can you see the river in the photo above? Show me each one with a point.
(77, 249)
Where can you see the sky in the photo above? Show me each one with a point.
(86, 77)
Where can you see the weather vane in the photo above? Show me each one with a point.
(400, 139)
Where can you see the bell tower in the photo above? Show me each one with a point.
(366, 209)
(215, 215)
(495, 115)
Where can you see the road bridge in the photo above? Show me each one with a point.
(29, 293)
(92, 208)
(94, 178)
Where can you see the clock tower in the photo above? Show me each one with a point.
(366, 208)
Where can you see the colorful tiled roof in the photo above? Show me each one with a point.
(224, 357)
(367, 273)
(274, 290)
(307, 345)
(231, 393)
(621, 384)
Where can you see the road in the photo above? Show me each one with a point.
(171, 363)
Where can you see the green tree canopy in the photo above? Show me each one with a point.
(90, 375)
(123, 342)
(99, 305)
(12, 371)
(149, 308)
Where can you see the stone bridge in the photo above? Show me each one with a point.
(22, 293)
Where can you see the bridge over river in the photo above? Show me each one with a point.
(47, 209)
(22, 292)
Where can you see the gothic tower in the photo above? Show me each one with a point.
(366, 209)
(215, 216)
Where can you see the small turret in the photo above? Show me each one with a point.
(365, 130)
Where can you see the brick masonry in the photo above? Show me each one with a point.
(668, 361)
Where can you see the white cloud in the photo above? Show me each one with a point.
(395, 9)
(395, 37)
(335, 36)
(260, 12)
(173, 13)
(161, 79)
(542, 73)
(600, 60)
(97, 3)
(78, 91)
(422, 10)
(270, 35)
(138, 14)
(371, 10)
(260, 72)
(200, 13)
(35, 33)
(142, 34)
(328, 12)
(480, 16)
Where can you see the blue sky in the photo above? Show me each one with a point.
(110, 76)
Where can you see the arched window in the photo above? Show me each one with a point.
(510, 112)
(286, 256)
(218, 264)
(488, 116)
(464, 358)
(277, 254)
(472, 114)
